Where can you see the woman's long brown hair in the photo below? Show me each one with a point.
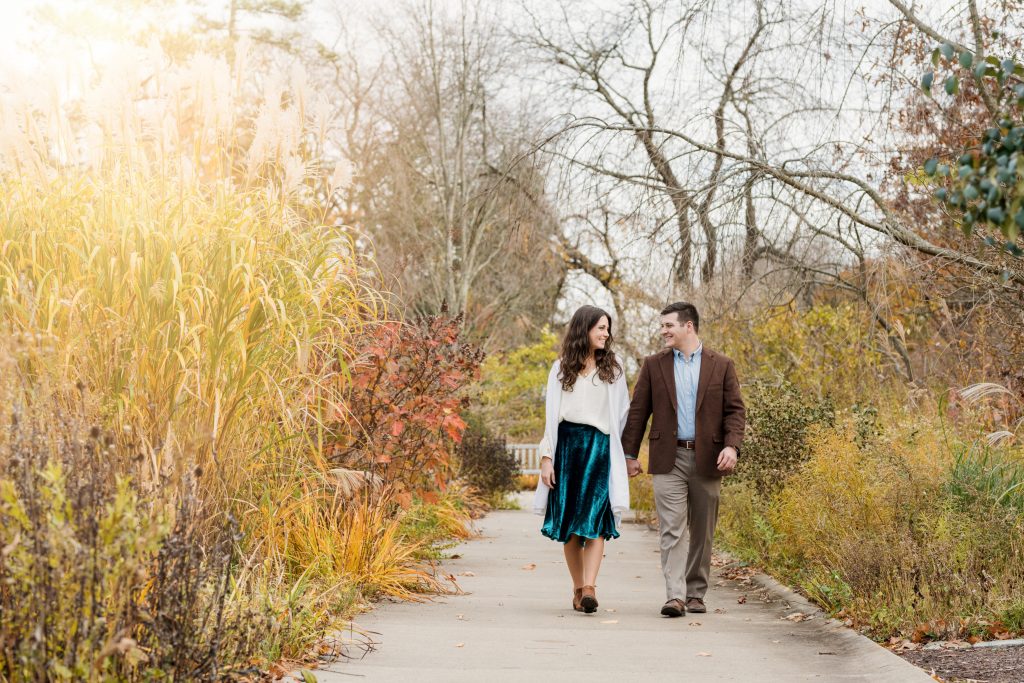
(576, 348)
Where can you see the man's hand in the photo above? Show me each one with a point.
(547, 472)
(633, 467)
(727, 459)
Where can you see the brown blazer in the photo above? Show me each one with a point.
(720, 419)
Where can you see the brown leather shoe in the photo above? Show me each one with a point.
(673, 608)
(589, 599)
(577, 595)
(695, 605)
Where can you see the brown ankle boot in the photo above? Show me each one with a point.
(589, 599)
(577, 595)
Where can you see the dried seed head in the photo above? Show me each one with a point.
(94, 432)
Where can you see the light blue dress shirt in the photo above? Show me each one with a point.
(687, 374)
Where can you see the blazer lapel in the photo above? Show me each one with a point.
(707, 364)
(668, 374)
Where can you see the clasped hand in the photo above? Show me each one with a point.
(633, 467)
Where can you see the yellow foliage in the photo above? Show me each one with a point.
(896, 532)
(838, 496)
(822, 350)
(354, 542)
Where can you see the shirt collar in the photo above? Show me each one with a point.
(682, 356)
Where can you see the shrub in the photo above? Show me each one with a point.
(906, 535)
(778, 419)
(486, 463)
(743, 526)
(401, 411)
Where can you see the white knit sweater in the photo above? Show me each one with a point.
(584, 408)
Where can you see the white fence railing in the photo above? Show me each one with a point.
(528, 456)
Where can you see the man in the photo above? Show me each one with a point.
(695, 438)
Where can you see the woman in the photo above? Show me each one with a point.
(583, 488)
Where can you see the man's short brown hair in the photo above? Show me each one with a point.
(685, 312)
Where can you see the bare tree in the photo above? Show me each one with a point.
(446, 186)
(764, 169)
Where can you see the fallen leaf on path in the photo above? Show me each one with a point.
(277, 671)
(455, 556)
(742, 599)
(703, 654)
(460, 645)
(694, 623)
(610, 621)
(719, 610)
(529, 567)
(467, 573)
(798, 616)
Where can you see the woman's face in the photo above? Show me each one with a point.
(599, 334)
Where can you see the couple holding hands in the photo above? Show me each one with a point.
(592, 438)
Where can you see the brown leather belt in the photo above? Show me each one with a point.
(691, 445)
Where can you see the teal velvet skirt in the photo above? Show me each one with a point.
(578, 504)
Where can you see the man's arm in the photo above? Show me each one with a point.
(639, 413)
(734, 413)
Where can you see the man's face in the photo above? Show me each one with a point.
(674, 332)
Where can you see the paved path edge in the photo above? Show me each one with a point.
(840, 630)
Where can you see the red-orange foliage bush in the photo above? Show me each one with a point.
(401, 417)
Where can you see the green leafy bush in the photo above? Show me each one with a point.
(486, 464)
(778, 419)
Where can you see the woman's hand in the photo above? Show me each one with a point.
(547, 472)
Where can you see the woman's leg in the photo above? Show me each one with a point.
(573, 550)
(592, 555)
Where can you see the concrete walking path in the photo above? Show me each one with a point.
(515, 623)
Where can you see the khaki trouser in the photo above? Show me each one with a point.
(687, 513)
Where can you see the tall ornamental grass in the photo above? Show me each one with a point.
(165, 227)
